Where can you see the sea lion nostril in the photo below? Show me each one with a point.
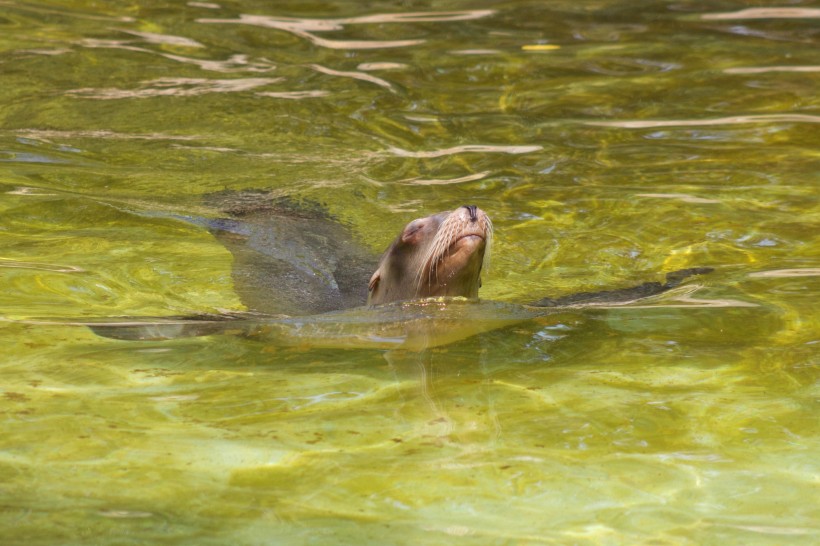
(473, 212)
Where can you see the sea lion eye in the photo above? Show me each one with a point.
(411, 230)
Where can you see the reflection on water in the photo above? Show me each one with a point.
(40, 266)
(294, 94)
(235, 63)
(164, 39)
(47, 134)
(734, 120)
(352, 74)
(177, 87)
(441, 181)
(305, 28)
(381, 66)
(611, 142)
(680, 196)
(808, 272)
(765, 13)
(470, 148)
(765, 69)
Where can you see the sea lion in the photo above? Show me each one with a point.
(291, 262)
(436, 256)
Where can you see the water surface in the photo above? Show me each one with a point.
(610, 142)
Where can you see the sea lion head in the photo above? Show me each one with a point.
(439, 255)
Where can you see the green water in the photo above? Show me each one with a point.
(609, 141)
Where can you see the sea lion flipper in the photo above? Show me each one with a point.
(674, 278)
(623, 295)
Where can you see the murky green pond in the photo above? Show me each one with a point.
(610, 142)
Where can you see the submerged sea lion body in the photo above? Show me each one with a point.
(290, 258)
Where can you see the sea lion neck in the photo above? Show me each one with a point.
(438, 255)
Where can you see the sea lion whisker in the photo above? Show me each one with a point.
(488, 243)
(436, 251)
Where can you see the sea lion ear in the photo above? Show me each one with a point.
(374, 280)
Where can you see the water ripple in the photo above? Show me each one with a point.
(74, 14)
(47, 134)
(294, 95)
(685, 197)
(164, 39)
(305, 28)
(353, 74)
(445, 181)
(381, 66)
(16, 264)
(469, 148)
(765, 69)
(20, 157)
(764, 13)
(235, 63)
(731, 120)
(174, 87)
(475, 51)
(800, 272)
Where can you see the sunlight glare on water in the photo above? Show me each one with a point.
(610, 142)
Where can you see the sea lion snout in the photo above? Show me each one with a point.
(438, 255)
(473, 210)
